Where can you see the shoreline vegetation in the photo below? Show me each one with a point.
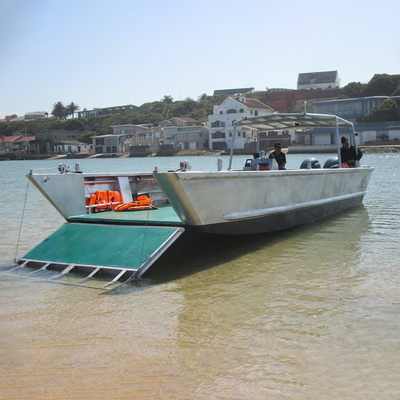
(375, 148)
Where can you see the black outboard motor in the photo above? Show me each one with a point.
(309, 163)
(332, 162)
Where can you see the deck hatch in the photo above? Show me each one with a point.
(122, 247)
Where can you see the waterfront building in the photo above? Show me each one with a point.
(71, 147)
(133, 135)
(16, 144)
(47, 139)
(109, 144)
(220, 123)
(184, 133)
(191, 137)
(352, 109)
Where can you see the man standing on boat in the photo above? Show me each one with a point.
(348, 153)
(279, 156)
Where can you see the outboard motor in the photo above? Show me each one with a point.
(332, 162)
(309, 163)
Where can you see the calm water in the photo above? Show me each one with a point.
(309, 313)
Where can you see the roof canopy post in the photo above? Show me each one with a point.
(338, 143)
(353, 136)
(232, 146)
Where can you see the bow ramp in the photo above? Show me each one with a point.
(114, 243)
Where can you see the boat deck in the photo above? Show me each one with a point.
(126, 243)
(163, 216)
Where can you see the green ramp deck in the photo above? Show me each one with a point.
(165, 216)
(122, 247)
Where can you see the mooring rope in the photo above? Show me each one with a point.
(22, 219)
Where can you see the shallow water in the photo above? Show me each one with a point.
(309, 313)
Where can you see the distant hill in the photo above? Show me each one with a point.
(155, 112)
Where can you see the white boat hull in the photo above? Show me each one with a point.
(246, 202)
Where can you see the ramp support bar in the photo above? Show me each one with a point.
(116, 278)
(152, 258)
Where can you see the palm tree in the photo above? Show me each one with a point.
(59, 110)
(71, 108)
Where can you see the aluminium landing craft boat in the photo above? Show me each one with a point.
(228, 202)
(255, 201)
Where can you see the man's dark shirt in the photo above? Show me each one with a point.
(280, 159)
(350, 154)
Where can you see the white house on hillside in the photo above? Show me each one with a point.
(221, 122)
(30, 116)
(318, 80)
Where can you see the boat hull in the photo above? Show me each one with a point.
(248, 202)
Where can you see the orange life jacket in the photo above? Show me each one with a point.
(142, 203)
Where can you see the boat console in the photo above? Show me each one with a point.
(260, 162)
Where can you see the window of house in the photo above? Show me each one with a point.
(218, 135)
(231, 111)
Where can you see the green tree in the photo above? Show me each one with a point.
(387, 111)
(74, 125)
(87, 137)
(167, 105)
(380, 85)
(72, 108)
(59, 110)
(397, 91)
(353, 89)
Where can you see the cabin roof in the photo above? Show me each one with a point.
(281, 122)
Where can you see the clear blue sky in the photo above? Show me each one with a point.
(100, 53)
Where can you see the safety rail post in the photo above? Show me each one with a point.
(338, 143)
